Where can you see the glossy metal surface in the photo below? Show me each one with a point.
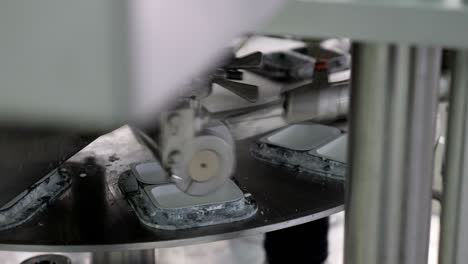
(393, 113)
(26, 156)
(454, 229)
(93, 215)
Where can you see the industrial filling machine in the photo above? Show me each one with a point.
(127, 126)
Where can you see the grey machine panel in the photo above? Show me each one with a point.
(64, 63)
(367, 20)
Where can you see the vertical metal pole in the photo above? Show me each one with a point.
(367, 127)
(454, 221)
(419, 163)
(123, 257)
(393, 110)
(394, 143)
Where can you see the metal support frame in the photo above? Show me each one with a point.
(454, 220)
(375, 20)
(393, 111)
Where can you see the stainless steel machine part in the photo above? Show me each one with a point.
(245, 125)
(345, 18)
(94, 216)
(44, 151)
(178, 129)
(454, 231)
(299, 147)
(425, 65)
(34, 199)
(204, 162)
(375, 20)
(327, 103)
(165, 207)
(124, 257)
(388, 200)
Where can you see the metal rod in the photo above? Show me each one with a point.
(454, 231)
(393, 110)
(419, 162)
(394, 161)
(366, 154)
(323, 104)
